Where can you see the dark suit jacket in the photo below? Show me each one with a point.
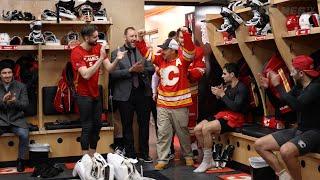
(121, 78)
(12, 114)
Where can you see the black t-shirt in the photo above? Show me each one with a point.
(236, 99)
(306, 102)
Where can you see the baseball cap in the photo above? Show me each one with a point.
(170, 43)
(305, 63)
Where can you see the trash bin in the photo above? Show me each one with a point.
(38, 153)
(260, 170)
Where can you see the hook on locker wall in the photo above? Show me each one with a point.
(291, 47)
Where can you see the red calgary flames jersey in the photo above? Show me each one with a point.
(173, 90)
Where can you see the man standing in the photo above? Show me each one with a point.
(86, 60)
(174, 95)
(14, 100)
(234, 99)
(195, 72)
(304, 98)
(132, 92)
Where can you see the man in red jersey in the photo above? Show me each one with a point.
(86, 60)
(195, 73)
(174, 95)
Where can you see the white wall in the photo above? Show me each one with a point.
(165, 22)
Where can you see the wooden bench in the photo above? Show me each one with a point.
(310, 163)
(63, 142)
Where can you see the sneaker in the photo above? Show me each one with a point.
(263, 20)
(195, 154)
(63, 12)
(160, 166)
(4, 39)
(50, 38)
(15, 40)
(78, 170)
(99, 166)
(255, 19)
(264, 31)
(225, 26)
(35, 25)
(102, 38)
(235, 4)
(189, 161)
(36, 36)
(226, 155)
(20, 165)
(216, 154)
(7, 15)
(146, 159)
(67, 4)
(27, 16)
(17, 15)
(49, 15)
(101, 15)
(225, 12)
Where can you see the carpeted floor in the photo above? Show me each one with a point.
(176, 171)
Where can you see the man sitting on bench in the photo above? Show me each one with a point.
(13, 100)
(234, 100)
(304, 98)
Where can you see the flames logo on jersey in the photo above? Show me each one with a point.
(169, 76)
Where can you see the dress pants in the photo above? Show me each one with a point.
(140, 104)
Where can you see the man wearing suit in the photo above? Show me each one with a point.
(132, 92)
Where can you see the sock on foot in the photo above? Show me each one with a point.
(207, 161)
(284, 175)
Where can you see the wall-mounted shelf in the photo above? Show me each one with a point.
(15, 22)
(78, 22)
(35, 47)
(226, 43)
(301, 32)
(279, 1)
(19, 48)
(269, 36)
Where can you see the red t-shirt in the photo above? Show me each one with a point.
(79, 58)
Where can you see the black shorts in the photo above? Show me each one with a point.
(223, 123)
(306, 142)
(225, 127)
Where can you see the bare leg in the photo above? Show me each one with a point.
(207, 130)
(198, 132)
(85, 152)
(91, 152)
(290, 153)
(210, 128)
(264, 147)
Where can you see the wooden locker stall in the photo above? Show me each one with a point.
(51, 61)
(257, 50)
